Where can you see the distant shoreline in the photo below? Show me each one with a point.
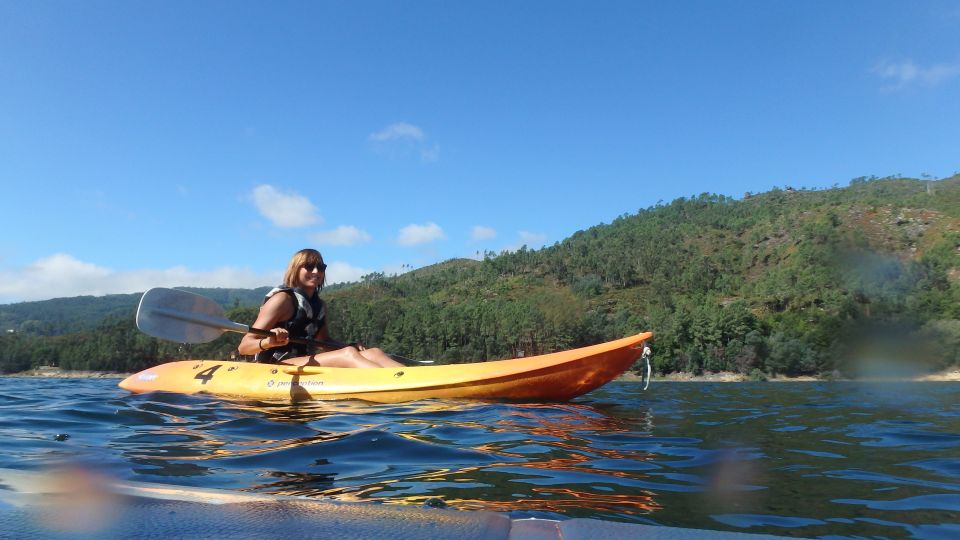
(952, 374)
(57, 373)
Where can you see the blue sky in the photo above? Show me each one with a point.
(202, 143)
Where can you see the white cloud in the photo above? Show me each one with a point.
(526, 238)
(344, 235)
(481, 232)
(907, 72)
(284, 209)
(413, 234)
(397, 269)
(62, 275)
(341, 272)
(402, 139)
(532, 239)
(398, 131)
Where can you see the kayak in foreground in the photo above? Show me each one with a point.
(558, 376)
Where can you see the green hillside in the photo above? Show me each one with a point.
(788, 281)
(66, 315)
(796, 282)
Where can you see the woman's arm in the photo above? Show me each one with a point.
(278, 307)
(324, 333)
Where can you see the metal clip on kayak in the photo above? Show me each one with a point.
(646, 358)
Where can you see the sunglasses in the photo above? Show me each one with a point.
(321, 267)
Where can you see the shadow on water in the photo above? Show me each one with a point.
(800, 459)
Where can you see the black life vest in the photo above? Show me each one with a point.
(306, 322)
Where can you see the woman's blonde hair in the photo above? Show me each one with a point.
(304, 257)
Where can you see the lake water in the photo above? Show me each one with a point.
(807, 459)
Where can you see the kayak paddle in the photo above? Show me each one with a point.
(187, 317)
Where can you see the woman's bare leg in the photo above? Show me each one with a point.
(348, 357)
(379, 357)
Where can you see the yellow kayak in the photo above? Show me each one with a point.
(557, 376)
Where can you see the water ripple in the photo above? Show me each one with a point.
(761, 457)
(921, 502)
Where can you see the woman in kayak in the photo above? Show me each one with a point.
(296, 310)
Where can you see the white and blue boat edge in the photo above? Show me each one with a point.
(78, 504)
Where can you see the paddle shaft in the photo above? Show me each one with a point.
(333, 344)
(300, 341)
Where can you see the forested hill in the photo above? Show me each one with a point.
(66, 315)
(788, 281)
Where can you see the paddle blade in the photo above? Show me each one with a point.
(182, 316)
